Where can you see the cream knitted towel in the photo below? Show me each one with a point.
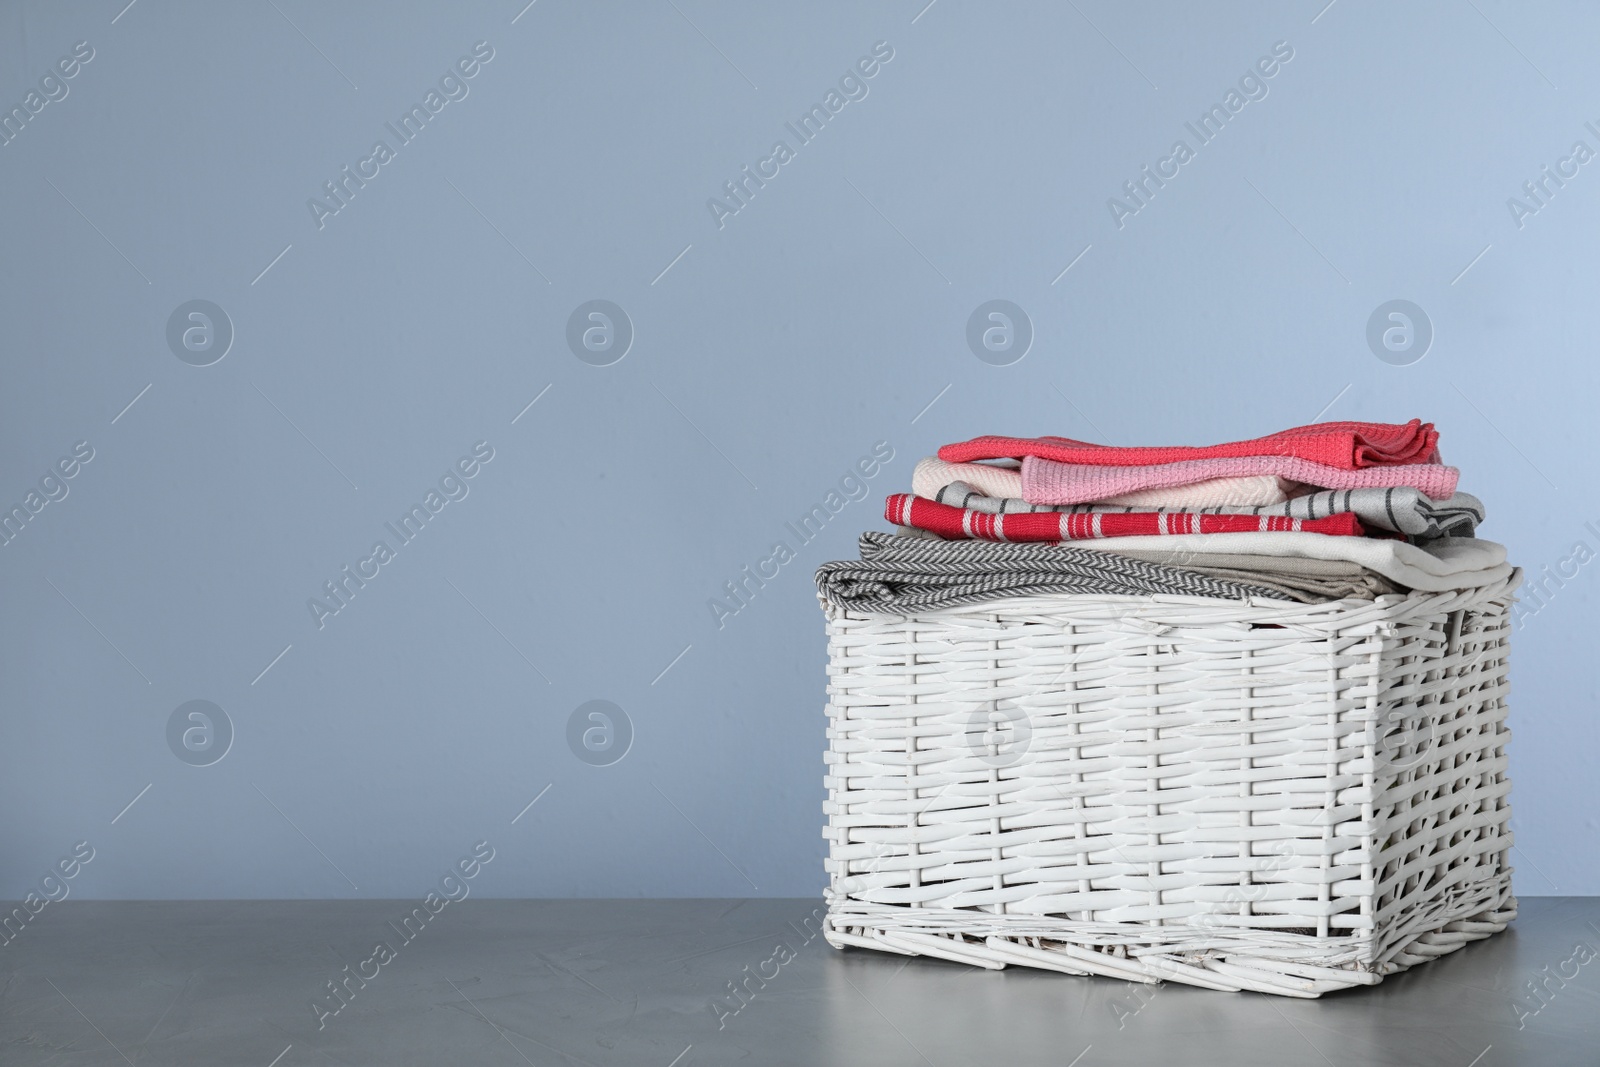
(932, 474)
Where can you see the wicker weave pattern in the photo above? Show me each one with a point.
(1282, 797)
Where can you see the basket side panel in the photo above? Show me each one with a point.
(1197, 784)
(1442, 807)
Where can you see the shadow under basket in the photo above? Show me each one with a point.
(1289, 798)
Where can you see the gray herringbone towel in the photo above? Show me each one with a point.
(903, 575)
(1310, 581)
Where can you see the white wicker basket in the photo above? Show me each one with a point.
(1288, 798)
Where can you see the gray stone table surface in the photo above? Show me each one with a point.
(603, 982)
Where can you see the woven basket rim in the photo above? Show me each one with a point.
(1390, 607)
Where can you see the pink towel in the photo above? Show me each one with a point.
(1048, 482)
(1346, 445)
(932, 475)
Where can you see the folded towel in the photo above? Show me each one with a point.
(1256, 489)
(1401, 509)
(1346, 445)
(1311, 581)
(1433, 567)
(957, 523)
(1308, 580)
(1048, 482)
(905, 575)
(930, 474)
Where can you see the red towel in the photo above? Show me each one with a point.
(954, 524)
(1346, 445)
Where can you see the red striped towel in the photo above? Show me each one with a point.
(1347, 445)
(954, 524)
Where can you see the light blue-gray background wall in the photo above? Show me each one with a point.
(770, 354)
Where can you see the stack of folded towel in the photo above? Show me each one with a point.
(1328, 511)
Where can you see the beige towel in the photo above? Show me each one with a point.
(933, 474)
